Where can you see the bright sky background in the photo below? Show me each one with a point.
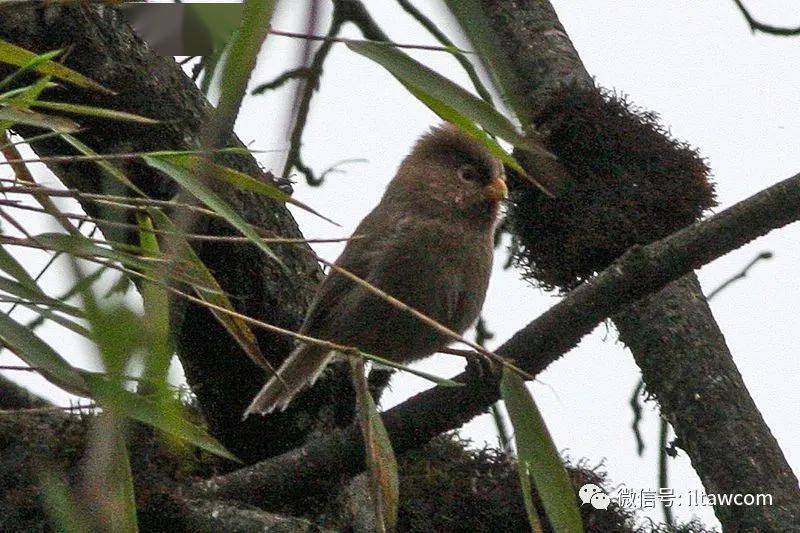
(730, 93)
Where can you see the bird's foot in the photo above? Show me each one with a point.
(480, 366)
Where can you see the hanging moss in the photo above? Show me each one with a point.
(633, 184)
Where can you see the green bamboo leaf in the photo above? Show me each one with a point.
(444, 382)
(156, 308)
(451, 115)
(15, 55)
(239, 62)
(108, 393)
(107, 166)
(37, 353)
(84, 248)
(380, 454)
(92, 111)
(106, 472)
(121, 479)
(539, 459)
(30, 65)
(64, 512)
(46, 313)
(81, 247)
(242, 181)
(23, 96)
(36, 300)
(478, 29)
(13, 268)
(209, 290)
(34, 293)
(413, 73)
(453, 103)
(31, 118)
(192, 180)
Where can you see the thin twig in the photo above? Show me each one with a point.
(117, 156)
(189, 236)
(44, 269)
(303, 102)
(295, 73)
(334, 168)
(331, 39)
(636, 407)
(22, 174)
(49, 409)
(343, 11)
(424, 318)
(127, 202)
(31, 140)
(765, 28)
(741, 275)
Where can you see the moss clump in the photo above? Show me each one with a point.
(633, 184)
(449, 487)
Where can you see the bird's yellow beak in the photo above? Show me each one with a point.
(496, 190)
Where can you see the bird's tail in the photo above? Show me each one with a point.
(300, 370)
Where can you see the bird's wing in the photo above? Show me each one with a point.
(356, 258)
(412, 266)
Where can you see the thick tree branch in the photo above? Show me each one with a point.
(639, 272)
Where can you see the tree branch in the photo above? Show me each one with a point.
(760, 26)
(639, 272)
(343, 11)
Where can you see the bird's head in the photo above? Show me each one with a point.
(449, 171)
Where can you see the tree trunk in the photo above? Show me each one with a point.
(104, 48)
(674, 338)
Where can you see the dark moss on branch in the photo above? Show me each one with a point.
(633, 184)
(451, 486)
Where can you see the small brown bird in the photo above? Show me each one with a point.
(428, 243)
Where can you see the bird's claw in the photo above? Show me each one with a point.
(480, 366)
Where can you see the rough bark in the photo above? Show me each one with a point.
(700, 393)
(104, 48)
(56, 442)
(673, 333)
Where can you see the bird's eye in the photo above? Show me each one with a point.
(469, 173)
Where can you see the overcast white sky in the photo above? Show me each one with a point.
(730, 93)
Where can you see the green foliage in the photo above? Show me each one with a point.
(208, 290)
(98, 112)
(381, 461)
(538, 459)
(14, 115)
(44, 64)
(239, 63)
(475, 116)
(191, 175)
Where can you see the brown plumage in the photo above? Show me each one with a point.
(428, 243)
